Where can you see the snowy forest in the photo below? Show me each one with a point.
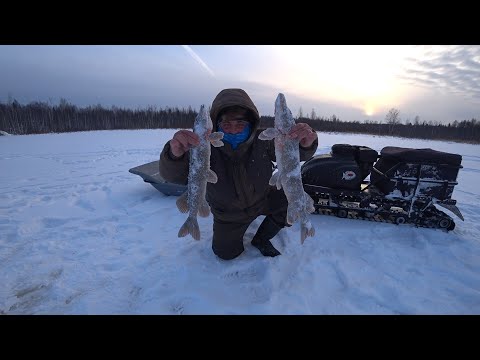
(42, 117)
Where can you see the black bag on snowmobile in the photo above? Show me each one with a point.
(344, 168)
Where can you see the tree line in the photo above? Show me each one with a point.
(41, 117)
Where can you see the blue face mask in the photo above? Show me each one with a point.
(235, 139)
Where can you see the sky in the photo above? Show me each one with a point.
(355, 83)
(80, 234)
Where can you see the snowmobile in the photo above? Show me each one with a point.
(399, 185)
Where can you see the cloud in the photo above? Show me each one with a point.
(264, 95)
(452, 69)
(198, 59)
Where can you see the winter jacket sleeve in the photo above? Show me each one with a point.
(307, 153)
(174, 170)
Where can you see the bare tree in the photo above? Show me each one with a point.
(392, 119)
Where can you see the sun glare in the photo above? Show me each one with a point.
(369, 110)
(360, 76)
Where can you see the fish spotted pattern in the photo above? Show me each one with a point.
(288, 176)
(193, 200)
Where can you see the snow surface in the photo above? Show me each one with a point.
(79, 234)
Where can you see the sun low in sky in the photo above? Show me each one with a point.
(360, 82)
(363, 77)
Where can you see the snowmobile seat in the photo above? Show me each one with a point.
(363, 156)
(344, 168)
(332, 172)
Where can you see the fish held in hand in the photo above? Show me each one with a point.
(288, 175)
(193, 200)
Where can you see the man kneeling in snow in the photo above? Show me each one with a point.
(244, 167)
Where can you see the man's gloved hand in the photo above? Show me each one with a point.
(182, 141)
(304, 134)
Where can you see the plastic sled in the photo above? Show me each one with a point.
(150, 174)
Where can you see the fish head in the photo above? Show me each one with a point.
(203, 123)
(283, 116)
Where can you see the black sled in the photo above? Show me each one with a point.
(404, 186)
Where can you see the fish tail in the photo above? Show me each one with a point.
(190, 227)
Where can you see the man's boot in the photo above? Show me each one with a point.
(267, 230)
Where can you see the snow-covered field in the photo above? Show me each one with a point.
(79, 234)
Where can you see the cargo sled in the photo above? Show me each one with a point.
(150, 174)
(404, 185)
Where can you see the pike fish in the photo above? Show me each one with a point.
(288, 176)
(193, 201)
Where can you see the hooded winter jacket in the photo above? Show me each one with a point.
(243, 174)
